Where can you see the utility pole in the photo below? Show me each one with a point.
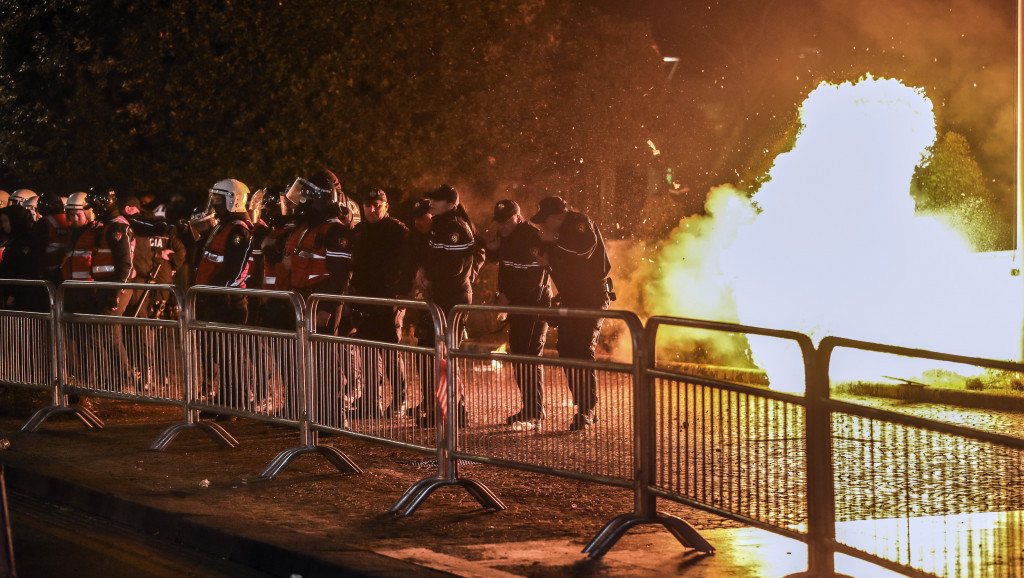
(1018, 255)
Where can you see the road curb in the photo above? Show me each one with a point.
(187, 530)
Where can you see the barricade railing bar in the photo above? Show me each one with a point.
(916, 494)
(908, 493)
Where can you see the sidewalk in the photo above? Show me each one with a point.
(313, 521)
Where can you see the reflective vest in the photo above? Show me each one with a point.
(307, 249)
(92, 257)
(213, 255)
(54, 240)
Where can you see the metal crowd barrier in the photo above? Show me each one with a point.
(488, 386)
(907, 493)
(924, 495)
(237, 370)
(110, 356)
(363, 388)
(736, 450)
(27, 337)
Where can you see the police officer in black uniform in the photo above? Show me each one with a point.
(382, 266)
(575, 251)
(450, 262)
(522, 282)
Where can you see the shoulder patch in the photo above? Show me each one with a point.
(344, 242)
(237, 239)
(454, 237)
(582, 227)
(117, 235)
(534, 251)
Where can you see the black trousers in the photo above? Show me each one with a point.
(380, 367)
(577, 339)
(526, 336)
(215, 359)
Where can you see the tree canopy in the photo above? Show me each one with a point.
(171, 95)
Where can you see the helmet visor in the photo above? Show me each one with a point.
(256, 204)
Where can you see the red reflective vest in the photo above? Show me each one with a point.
(212, 258)
(308, 251)
(91, 257)
(55, 240)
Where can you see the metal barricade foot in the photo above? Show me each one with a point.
(338, 459)
(84, 415)
(214, 430)
(422, 489)
(617, 528)
(411, 493)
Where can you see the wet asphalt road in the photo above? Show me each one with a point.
(51, 540)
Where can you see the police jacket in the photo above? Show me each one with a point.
(223, 258)
(520, 277)
(448, 259)
(320, 257)
(382, 259)
(579, 262)
(102, 252)
(152, 237)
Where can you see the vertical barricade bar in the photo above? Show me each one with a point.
(644, 343)
(821, 518)
(446, 339)
(58, 361)
(305, 321)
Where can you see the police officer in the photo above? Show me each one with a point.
(22, 197)
(50, 237)
(522, 282)
(223, 256)
(450, 263)
(382, 266)
(222, 260)
(318, 253)
(103, 245)
(17, 262)
(326, 179)
(158, 254)
(279, 215)
(575, 251)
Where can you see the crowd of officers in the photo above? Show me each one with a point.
(313, 238)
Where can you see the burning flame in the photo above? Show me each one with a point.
(495, 364)
(830, 245)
